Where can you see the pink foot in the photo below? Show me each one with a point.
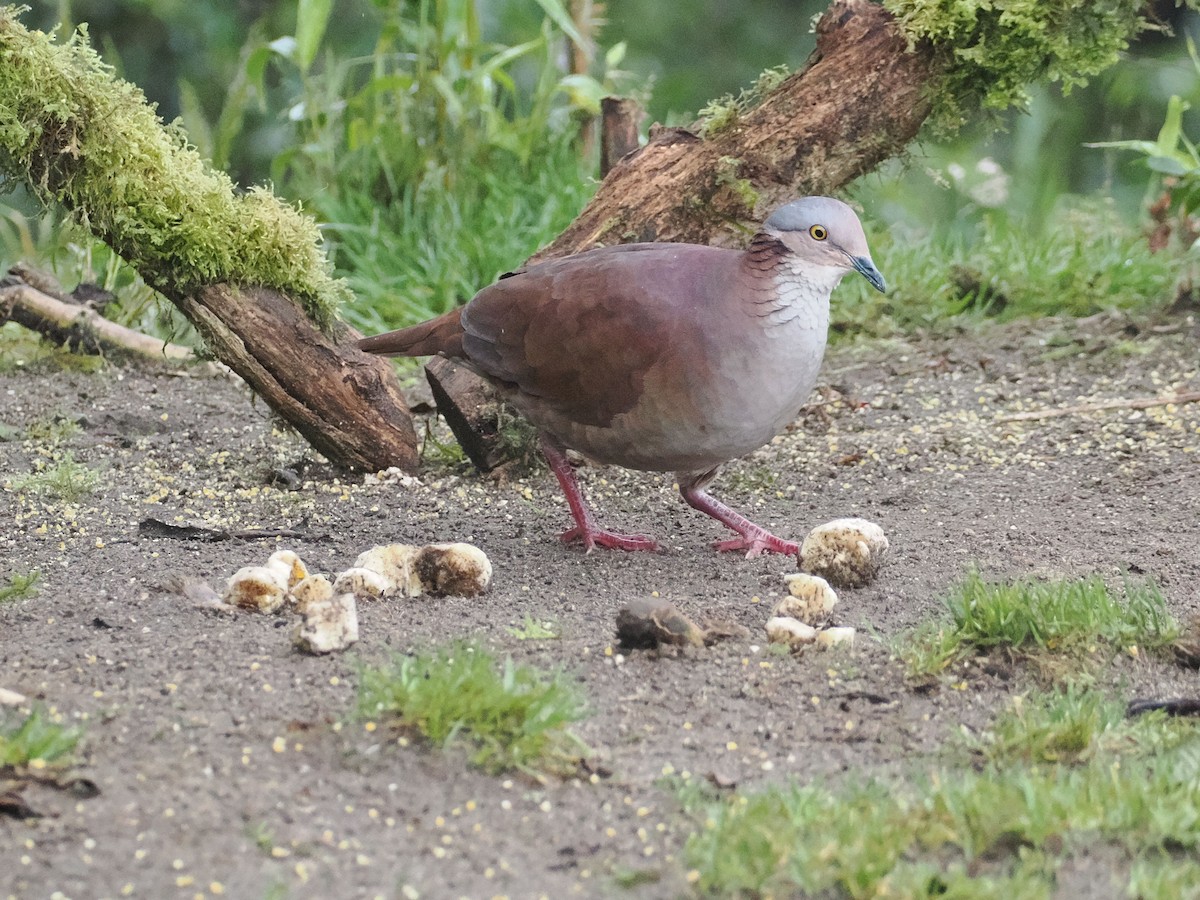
(758, 543)
(754, 539)
(602, 537)
(585, 530)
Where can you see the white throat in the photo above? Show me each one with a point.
(803, 291)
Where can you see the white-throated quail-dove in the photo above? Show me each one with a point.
(661, 357)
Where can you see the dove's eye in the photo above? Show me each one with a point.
(818, 232)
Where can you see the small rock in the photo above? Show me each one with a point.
(845, 552)
(198, 592)
(835, 636)
(717, 630)
(649, 622)
(328, 625)
(310, 590)
(255, 588)
(366, 584)
(391, 475)
(810, 599)
(10, 698)
(395, 563)
(461, 570)
(793, 632)
(289, 569)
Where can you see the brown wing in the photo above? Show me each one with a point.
(578, 335)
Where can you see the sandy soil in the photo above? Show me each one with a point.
(225, 760)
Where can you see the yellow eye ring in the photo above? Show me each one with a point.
(818, 232)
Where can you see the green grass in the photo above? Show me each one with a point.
(1085, 260)
(37, 740)
(532, 629)
(1001, 830)
(20, 587)
(437, 245)
(1056, 621)
(64, 479)
(511, 716)
(52, 430)
(1072, 725)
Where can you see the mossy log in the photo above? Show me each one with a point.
(246, 268)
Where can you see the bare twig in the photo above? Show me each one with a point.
(157, 528)
(63, 321)
(1131, 403)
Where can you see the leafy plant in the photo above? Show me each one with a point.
(1073, 725)
(532, 629)
(1172, 155)
(514, 717)
(65, 479)
(51, 430)
(1087, 259)
(20, 587)
(36, 740)
(440, 160)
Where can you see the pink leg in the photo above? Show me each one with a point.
(754, 539)
(585, 529)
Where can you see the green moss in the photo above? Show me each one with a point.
(81, 137)
(728, 168)
(988, 50)
(727, 111)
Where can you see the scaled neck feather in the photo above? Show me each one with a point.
(794, 291)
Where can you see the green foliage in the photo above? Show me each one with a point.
(80, 137)
(532, 629)
(20, 587)
(51, 430)
(442, 159)
(64, 478)
(1087, 259)
(1069, 619)
(1001, 831)
(434, 247)
(988, 52)
(1072, 725)
(1172, 156)
(514, 717)
(37, 740)
(1058, 614)
(1163, 877)
(728, 110)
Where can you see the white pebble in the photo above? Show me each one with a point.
(832, 637)
(364, 583)
(255, 588)
(328, 625)
(809, 599)
(793, 632)
(462, 570)
(313, 589)
(845, 552)
(395, 563)
(289, 569)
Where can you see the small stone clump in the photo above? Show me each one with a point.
(461, 570)
(802, 617)
(845, 552)
(328, 611)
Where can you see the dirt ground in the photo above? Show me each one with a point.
(225, 760)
